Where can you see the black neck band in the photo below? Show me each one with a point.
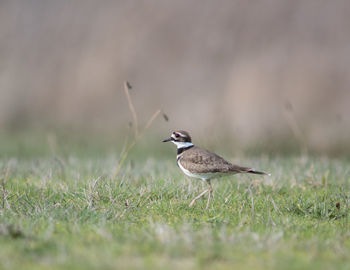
(180, 150)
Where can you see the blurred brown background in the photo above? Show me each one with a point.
(256, 70)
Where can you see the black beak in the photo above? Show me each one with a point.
(168, 140)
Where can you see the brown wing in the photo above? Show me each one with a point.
(202, 161)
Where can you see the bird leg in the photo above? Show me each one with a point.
(210, 193)
(198, 197)
(210, 190)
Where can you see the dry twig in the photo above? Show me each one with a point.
(127, 87)
(138, 135)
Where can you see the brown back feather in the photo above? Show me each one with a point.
(202, 161)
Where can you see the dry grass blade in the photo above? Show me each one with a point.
(138, 136)
(127, 86)
(149, 123)
(294, 126)
(166, 118)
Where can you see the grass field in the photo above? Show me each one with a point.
(64, 211)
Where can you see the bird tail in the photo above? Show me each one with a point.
(239, 169)
(256, 172)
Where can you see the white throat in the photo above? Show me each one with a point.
(182, 144)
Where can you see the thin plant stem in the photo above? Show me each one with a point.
(138, 135)
(132, 108)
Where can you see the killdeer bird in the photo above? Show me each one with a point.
(200, 163)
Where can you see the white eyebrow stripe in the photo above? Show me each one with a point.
(182, 135)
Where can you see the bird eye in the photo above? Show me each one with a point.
(177, 135)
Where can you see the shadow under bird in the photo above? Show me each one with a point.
(199, 163)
